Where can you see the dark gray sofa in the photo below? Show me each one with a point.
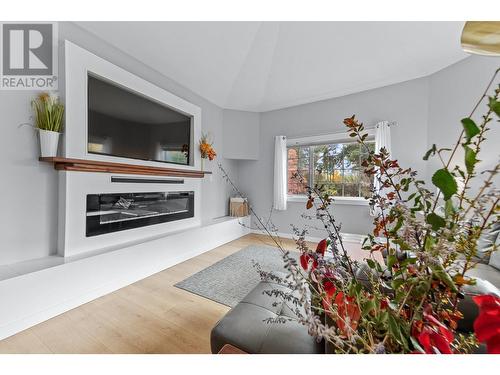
(244, 327)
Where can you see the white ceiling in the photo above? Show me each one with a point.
(261, 66)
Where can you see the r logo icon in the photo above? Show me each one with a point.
(29, 56)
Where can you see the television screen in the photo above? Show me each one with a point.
(126, 124)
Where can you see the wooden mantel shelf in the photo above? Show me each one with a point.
(81, 165)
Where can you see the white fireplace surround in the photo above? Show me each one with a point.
(74, 186)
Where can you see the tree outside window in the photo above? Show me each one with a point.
(336, 166)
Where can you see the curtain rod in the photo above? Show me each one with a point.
(391, 123)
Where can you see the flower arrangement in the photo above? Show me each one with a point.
(409, 303)
(49, 112)
(206, 148)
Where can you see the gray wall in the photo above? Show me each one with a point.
(405, 103)
(28, 189)
(241, 134)
(453, 94)
(428, 110)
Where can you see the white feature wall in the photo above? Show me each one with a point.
(29, 189)
(75, 186)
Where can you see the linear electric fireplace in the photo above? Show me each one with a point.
(107, 213)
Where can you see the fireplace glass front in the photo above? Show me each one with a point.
(108, 213)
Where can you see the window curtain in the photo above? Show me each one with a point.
(280, 173)
(382, 139)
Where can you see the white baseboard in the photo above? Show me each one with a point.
(349, 237)
(35, 297)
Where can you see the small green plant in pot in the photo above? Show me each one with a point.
(49, 113)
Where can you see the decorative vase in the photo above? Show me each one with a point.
(49, 141)
(202, 159)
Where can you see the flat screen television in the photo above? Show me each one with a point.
(126, 124)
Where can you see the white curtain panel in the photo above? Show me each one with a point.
(280, 174)
(382, 139)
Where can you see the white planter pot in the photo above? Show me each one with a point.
(48, 143)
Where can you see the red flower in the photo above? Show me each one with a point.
(348, 311)
(329, 287)
(431, 339)
(304, 260)
(433, 335)
(330, 290)
(487, 324)
(384, 304)
(321, 248)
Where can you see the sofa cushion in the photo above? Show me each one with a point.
(485, 243)
(495, 260)
(244, 326)
(484, 272)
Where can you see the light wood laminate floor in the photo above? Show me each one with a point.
(149, 316)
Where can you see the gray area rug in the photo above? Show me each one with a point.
(229, 280)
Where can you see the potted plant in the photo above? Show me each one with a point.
(49, 112)
(410, 303)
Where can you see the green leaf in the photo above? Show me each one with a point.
(402, 244)
(407, 261)
(371, 263)
(395, 331)
(391, 261)
(494, 105)
(367, 307)
(449, 208)
(435, 220)
(470, 159)
(398, 225)
(442, 275)
(396, 283)
(444, 180)
(432, 151)
(429, 243)
(470, 128)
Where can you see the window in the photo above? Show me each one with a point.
(336, 166)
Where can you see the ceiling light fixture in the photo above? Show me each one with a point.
(481, 38)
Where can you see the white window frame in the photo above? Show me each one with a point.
(321, 140)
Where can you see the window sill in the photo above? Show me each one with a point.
(353, 201)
